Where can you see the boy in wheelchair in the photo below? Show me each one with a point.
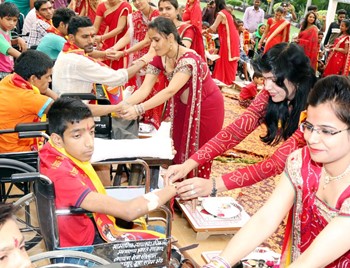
(65, 160)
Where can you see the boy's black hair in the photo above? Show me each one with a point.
(6, 212)
(8, 10)
(64, 111)
(39, 3)
(312, 8)
(62, 15)
(257, 74)
(77, 22)
(32, 62)
(341, 12)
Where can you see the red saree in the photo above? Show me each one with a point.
(111, 17)
(338, 62)
(226, 66)
(194, 35)
(308, 40)
(309, 215)
(137, 24)
(193, 13)
(194, 123)
(278, 33)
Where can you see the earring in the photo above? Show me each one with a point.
(171, 47)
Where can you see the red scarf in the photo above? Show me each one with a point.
(51, 29)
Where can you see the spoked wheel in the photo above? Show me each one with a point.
(67, 258)
(27, 221)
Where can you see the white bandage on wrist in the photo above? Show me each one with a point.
(153, 201)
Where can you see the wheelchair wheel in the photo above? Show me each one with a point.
(25, 214)
(66, 258)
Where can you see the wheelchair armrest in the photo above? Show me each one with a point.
(83, 96)
(71, 211)
(33, 134)
(37, 126)
(6, 131)
(25, 177)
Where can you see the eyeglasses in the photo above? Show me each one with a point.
(306, 127)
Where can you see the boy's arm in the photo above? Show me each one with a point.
(128, 210)
(20, 43)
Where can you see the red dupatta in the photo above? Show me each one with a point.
(193, 13)
(278, 33)
(51, 29)
(308, 39)
(233, 51)
(197, 42)
(342, 64)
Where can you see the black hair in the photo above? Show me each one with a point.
(77, 22)
(341, 12)
(305, 22)
(62, 15)
(219, 5)
(312, 8)
(32, 62)
(320, 33)
(8, 10)
(334, 89)
(6, 212)
(257, 74)
(174, 3)
(279, 9)
(39, 3)
(286, 61)
(347, 24)
(64, 111)
(164, 27)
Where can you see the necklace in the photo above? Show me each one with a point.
(177, 54)
(328, 178)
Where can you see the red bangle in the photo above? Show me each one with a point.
(125, 53)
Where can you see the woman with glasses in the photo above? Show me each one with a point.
(288, 80)
(314, 190)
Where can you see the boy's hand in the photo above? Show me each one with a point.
(21, 44)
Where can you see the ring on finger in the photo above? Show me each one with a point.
(193, 192)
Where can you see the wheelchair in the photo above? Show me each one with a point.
(127, 253)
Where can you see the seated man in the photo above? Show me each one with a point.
(52, 43)
(65, 160)
(24, 98)
(43, 25)
(12, 251)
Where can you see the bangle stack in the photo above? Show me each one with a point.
(217, 262)
(139, 109)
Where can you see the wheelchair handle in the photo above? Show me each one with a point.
(33, 134)
(25, 177)
(37, 126)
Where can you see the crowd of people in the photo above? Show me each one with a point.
(299, 91)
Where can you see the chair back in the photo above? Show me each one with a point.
(45, 202)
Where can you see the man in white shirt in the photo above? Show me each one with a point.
(75, 72)
(253, 16)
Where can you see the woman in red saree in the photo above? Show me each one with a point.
(226, 66)
(137, 38)
(114, 14)
(308, 38)
(338, 61)
(277, 30)
(195, 103)
(314, 190)
(190, 35)
(193, 13)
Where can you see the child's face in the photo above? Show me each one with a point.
(78, 139)
(262, 29)
(240, 27)
(259, 80)
(8, 23)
